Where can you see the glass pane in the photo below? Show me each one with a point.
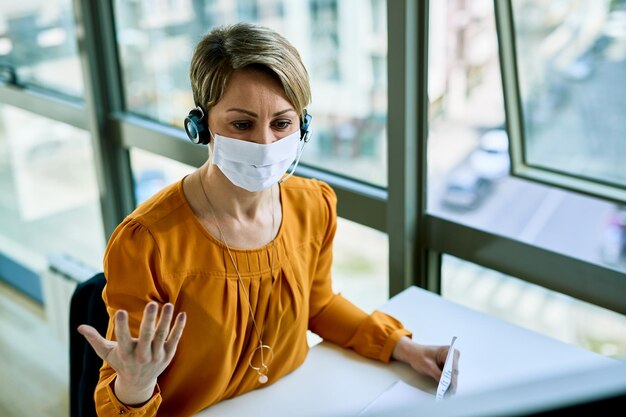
(360, 272)
(545, 311)
(468, 160)
(343, 47)
(38, 39)
(572, 86)
(153, 172)
(48, 190)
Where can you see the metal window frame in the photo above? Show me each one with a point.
(97, 49)
(407, 124)
(520, 166)
(575, 277)
(46, 104)
(587, 281)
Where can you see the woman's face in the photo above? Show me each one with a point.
(254, 108)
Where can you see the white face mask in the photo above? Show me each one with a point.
(254, 166)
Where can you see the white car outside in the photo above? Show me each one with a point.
(491, 159)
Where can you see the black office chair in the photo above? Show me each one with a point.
(87, 307)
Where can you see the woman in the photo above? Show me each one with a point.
(238, 255)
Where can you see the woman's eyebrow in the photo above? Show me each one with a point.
(253, 114)
(283, 112)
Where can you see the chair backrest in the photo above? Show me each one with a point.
(86, 307)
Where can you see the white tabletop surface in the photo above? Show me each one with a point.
(338, 382)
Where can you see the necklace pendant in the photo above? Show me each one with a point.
(263, 379)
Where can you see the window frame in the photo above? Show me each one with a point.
(520, 166)
(45, 103)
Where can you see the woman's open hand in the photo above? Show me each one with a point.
(138, 361)
(427, 360)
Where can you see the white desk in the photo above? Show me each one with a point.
(337, 382)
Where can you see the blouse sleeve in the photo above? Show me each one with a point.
(131, 267)
(336, 319)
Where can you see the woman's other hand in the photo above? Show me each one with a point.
(138, 361)
(427, 360)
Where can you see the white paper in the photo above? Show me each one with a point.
(446, 375)
(398, 395)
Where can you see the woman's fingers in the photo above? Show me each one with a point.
(175, 334)
(143, 351)
(439, 356)
(122, 332)
(438, 359)
(162, 329)
(101, 345)
(435, 371)
(442, 355)
(156, 341)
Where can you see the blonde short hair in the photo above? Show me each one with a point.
(226, 49)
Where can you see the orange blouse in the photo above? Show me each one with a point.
(161, 252)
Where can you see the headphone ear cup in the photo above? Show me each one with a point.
(195, 127)
(305, 122)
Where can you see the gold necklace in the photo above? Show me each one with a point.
(263, 368)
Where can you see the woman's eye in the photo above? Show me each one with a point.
(241, 125)
(282, 124)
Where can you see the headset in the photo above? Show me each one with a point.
(198, 132)
(195, 126)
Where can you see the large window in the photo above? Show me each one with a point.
(38, 44)
(360, 272)
(343, 45)
(570, 63)
(49, 200)
(537, 308)
(468, 150)
(467, 141)
(151, 173)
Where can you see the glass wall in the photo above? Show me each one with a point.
(38, 43)
(360, 272)
(152, 172)
(343, 44)
(48, 190)
(468, 155)
(548, 312)
(571, 86)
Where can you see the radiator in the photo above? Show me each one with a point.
(58, 282)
